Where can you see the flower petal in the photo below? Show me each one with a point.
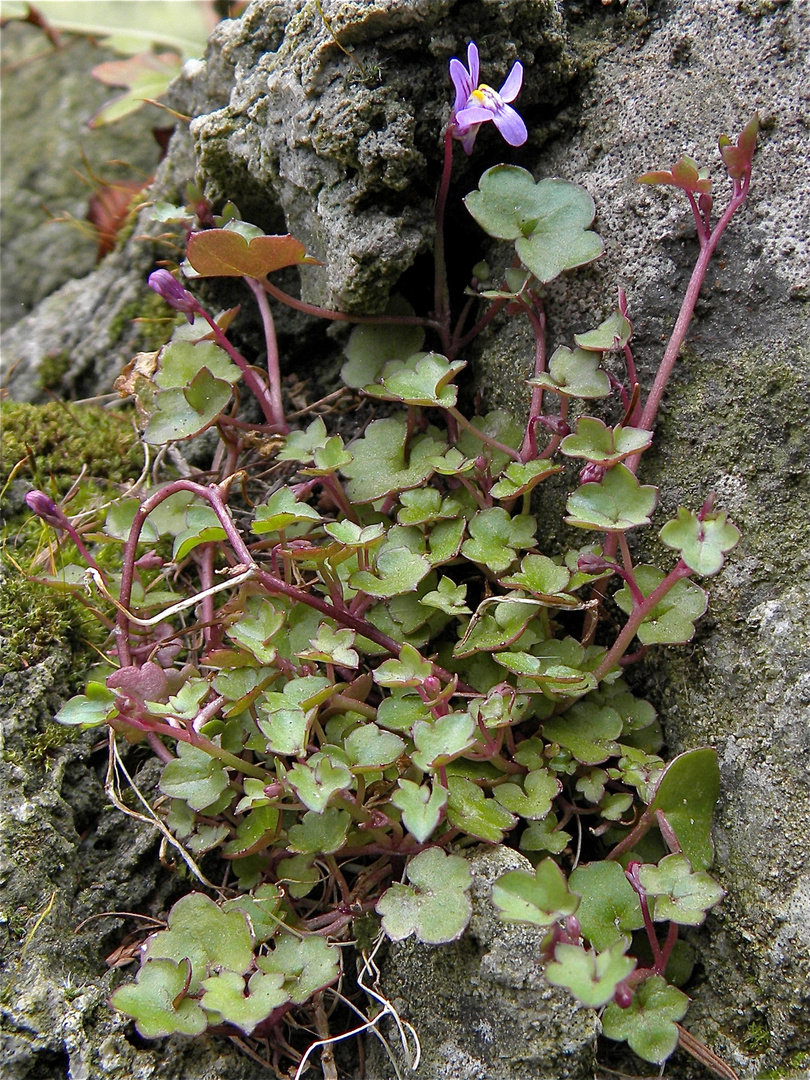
(510, 125)
(514, 80)
(475, 114)
(472, 62)
(464, 86)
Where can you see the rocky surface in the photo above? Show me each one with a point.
(345, 148)
(52, 162)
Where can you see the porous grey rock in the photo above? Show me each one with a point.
(480, 1006)
(52, 161)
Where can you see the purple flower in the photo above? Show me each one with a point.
(173, 293)
(476, 103)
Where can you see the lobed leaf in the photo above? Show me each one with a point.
(590, 976)
(701, 541)
(421, 807)
(672, 620)
(648, 1024)
(550, 220)
(619, 502)
(435, 907)
(540, 899)
(682, 895)
(574, 373)
(228, 253)
(157, 1003)
(610, 909)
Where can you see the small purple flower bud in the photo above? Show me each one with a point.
(572, 929)
(592, 564)
(705, 203)
(592, 473)
(150, 561)
(174, 293)
(631, 873)
(43, 506)
(623, 996)
(432, 686)
(555, 424)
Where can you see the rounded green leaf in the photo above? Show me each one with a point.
(320, 833)
(619, 502)
(154, 1000)
(380, 464)
(702, 542)
(590, 976)
(686, 795)
(226, 1001)
(370, 347)
(306, 964)
(574, 373)
(548, 220)
(595, 441)
(193, 776)
(421, 807)
(469, 809)
(540, 899)
(533, 799)
(435, 907)
(183, 411)
(200, 931)
(588, 730)
(90, 709)
(316, 780)
(610, 909)
(180, 361)
(441, 740)
(423, 379)
(672, 620)
(613, 333)
(682, 895)
(648, 1024)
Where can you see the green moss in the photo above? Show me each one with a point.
(52, 369)
(790, 1071)
(155, 322)
(56, 441)
(35, 621)
(758, 1038)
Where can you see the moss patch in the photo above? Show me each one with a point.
(56, 441)
(35, 621)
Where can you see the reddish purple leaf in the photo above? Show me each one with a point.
(738, 157)
(224, 253)
(684, 174)
(146, 683)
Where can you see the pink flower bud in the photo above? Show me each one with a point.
(623, 996)
(43, 506)
(592, 473)
(592, 564)
(174, 293)
(555, 424)
(572, 929)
